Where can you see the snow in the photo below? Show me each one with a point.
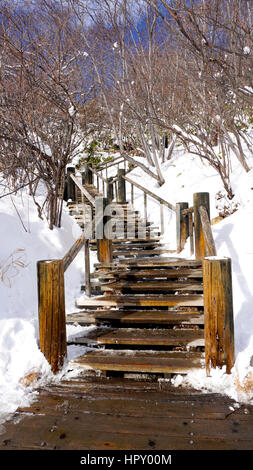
(246, 50)
(25, 239)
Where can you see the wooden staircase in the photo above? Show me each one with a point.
(149, 316)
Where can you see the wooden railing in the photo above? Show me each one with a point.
(193, 222)
(147, 192)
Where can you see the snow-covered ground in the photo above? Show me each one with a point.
(25, 239)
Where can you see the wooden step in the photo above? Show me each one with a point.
(155, 263)
(142, 337)
(155, 317)
(159, 286)
(142, 300)
(149, 274)
(140, 253)
(131, 245)
(167, 362)
(138, 241)
(161, 262)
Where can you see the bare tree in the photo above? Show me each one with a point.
(42, 87)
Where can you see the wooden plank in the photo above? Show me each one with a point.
(156, 317)
(158, 262)
(155, 252)
(150, 273)
(139, 300)
(151, 263)
(143, 337)
(131, 245)
(137, 361)
(142, 286)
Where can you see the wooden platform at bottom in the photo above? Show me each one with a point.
(96, 413)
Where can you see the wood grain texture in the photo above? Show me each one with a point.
(218, 308)
(200, 199)
(210, 247)
(182, 225)
(51, 308)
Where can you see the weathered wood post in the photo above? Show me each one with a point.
(218, 313)
(121, 186)
(83, 174)
(200, 199)
(88, 174)
(109, 189)
(87, 267)
(51, 307)
(182, 225)
(71, 188)
(104, 245)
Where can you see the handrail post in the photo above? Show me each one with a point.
(104, 245)
(88, 178)
(87, 267)
(109, 189)
(200, 199)
(218, 313)
(51, 308)
(71, 189)
(182, 225)
(121, 186)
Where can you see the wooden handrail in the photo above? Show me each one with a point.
(149, 193)
(73, 251)
(207, 230)
(144, 168)
(110, 163)
(83, 190)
